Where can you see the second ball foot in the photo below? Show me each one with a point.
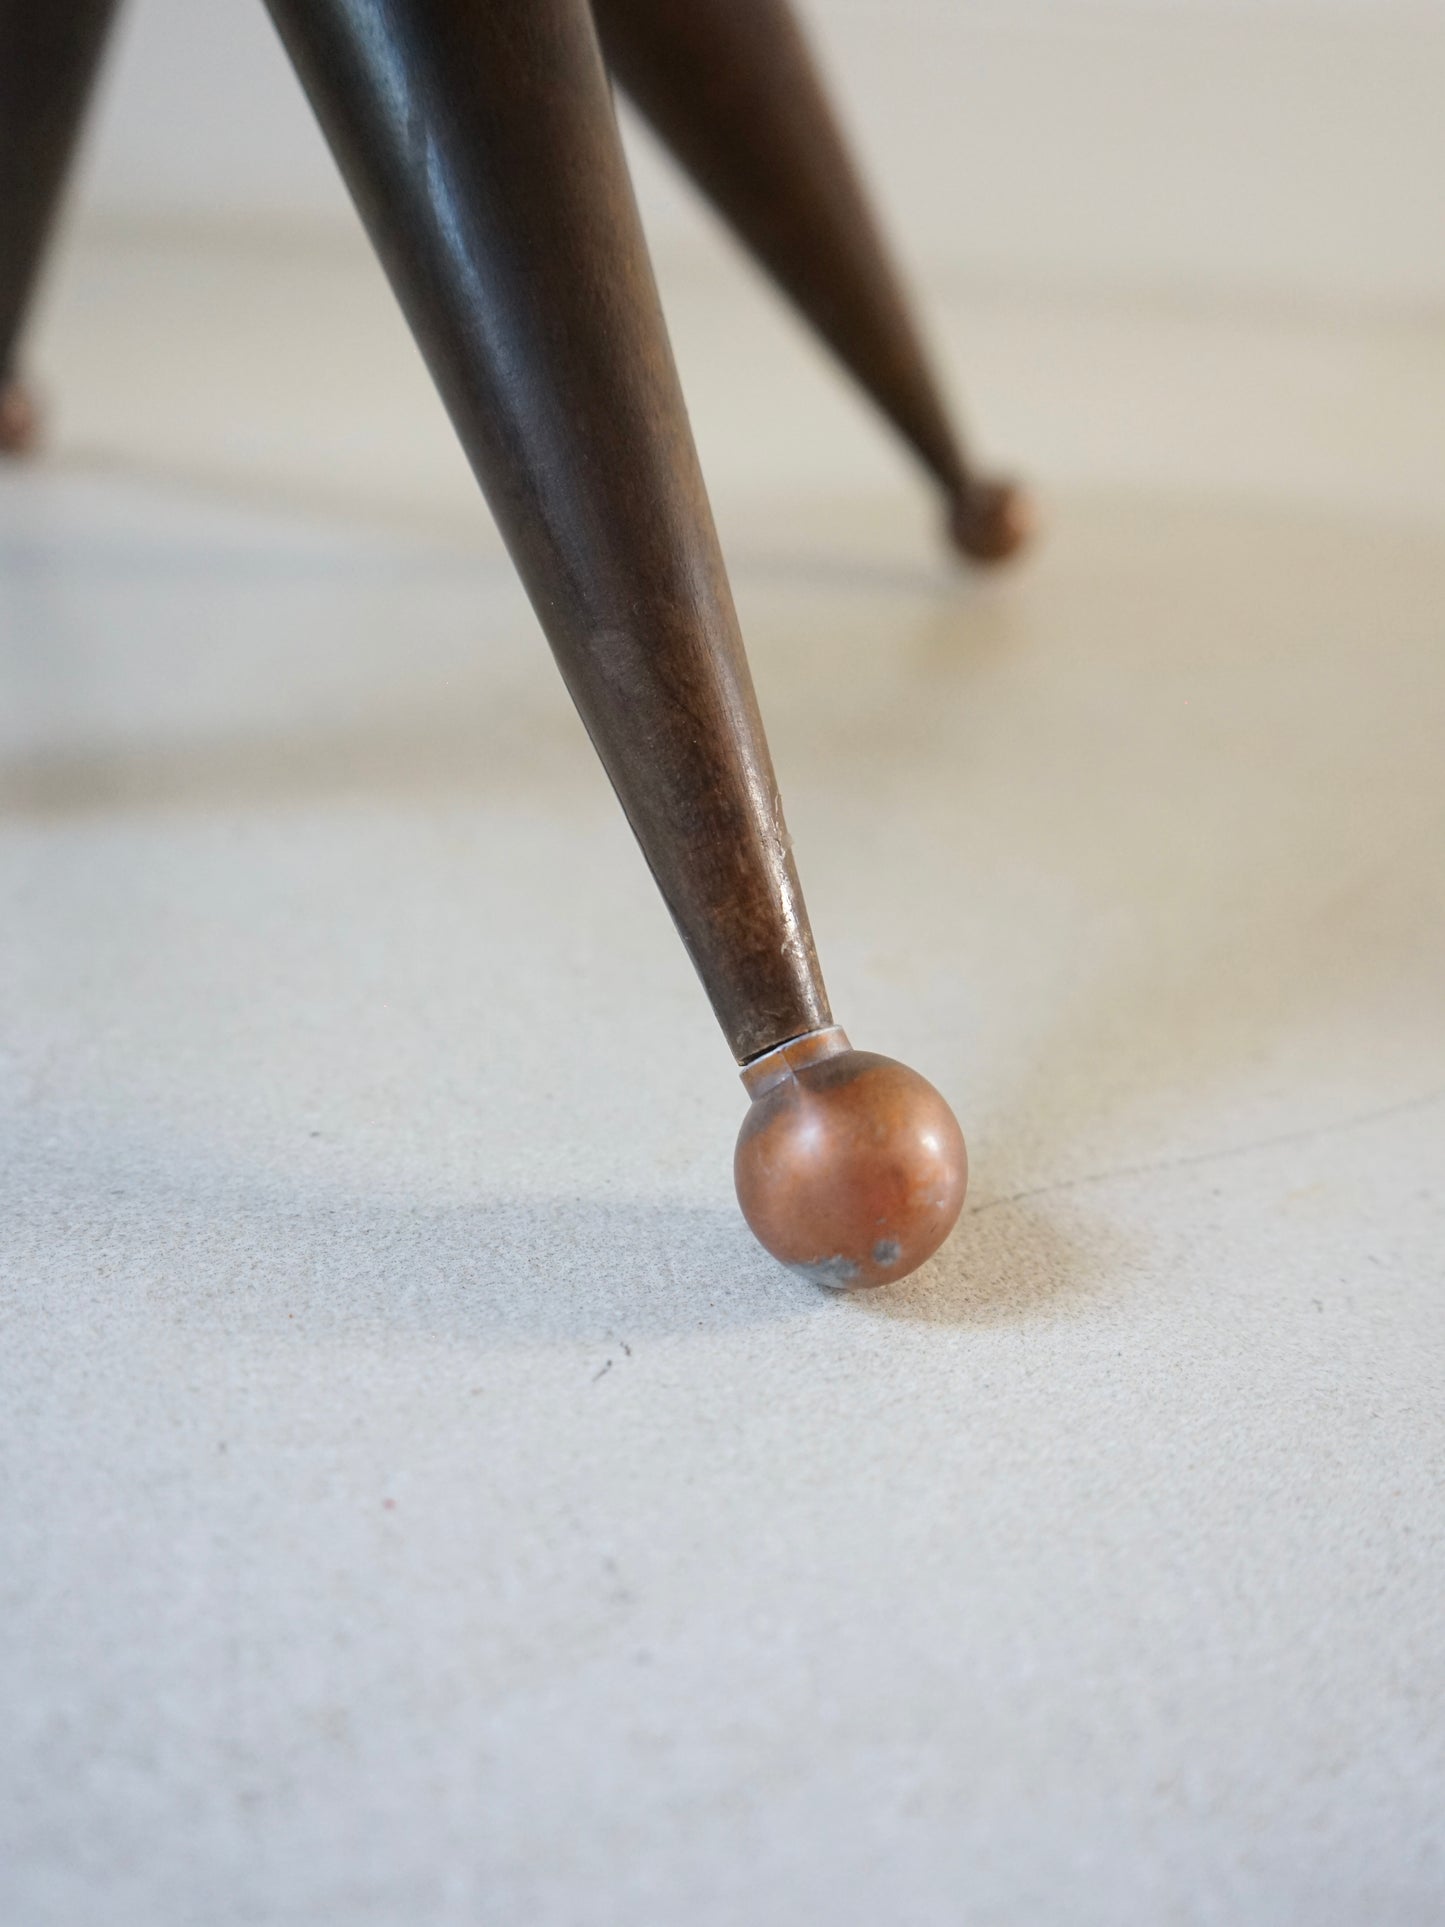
(991, 521)
(19, 419)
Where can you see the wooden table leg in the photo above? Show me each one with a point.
(731, 87)
(480, 144)
(49, 53)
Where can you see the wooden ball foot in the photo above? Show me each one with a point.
(19, 419)
(990, 521)
(850, 1168)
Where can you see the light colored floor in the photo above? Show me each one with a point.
(421, 1502)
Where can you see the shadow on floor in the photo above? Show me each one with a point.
(255, 1250)
(1021, 1265)
(490, 1274)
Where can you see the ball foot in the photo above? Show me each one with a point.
(19, 419)
(850, 1168)
(990, 521)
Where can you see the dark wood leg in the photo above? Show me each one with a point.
(480, 144)
(731, 87)
(49, 53)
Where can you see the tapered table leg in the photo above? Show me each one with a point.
(731, 87)
(480, 144)
(49, 53)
